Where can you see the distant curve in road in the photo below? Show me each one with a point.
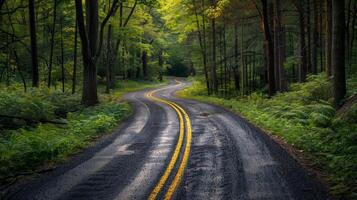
(173, 148)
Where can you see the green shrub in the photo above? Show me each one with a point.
(305, 118)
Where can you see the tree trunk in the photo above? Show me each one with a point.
(308, 35)
(329, 37)
(32, 17)
(352, 36)
(279, 48)
(108, 61)
(270, 48)
(145, 64)
(202, 42)
(302, 44)
(338, 51)
(213, 69)
(52, 43)
(236, 59)
(62, 56)
(74, 77)
(89, 93)
(315, 37)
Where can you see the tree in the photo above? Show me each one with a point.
(338, 51)
(270, 48)
(89, 93)
(328, 50)
(91, 48)
(32, 17)
(52, 42)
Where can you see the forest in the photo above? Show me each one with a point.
(289, 67)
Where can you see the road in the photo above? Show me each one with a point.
(173, 148)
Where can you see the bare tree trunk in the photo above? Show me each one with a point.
(338, 51)
(352, 32)
(279, 48)
(315, 37)
(270, 49)
(213, 69)
(145, 64)
(62, 56)
(108, 61)
(308, 35)
(302, 44)
(52, 43)
(329, 37)
(236, 59)
(89, 93)
(34, 55)
(74, 77)
(202, 41)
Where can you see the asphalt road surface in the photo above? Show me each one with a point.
(177, 149)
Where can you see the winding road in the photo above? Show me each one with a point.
(173, 148)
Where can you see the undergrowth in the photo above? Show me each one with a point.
(48, 125)
(305, 118)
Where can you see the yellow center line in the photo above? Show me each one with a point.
(177, 179)
(176, 153)
(175, 183)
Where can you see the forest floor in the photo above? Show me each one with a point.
(43, 127)
(304, 119)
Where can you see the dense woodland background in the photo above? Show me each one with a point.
(289, 66)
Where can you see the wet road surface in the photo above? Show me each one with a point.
(173, 148)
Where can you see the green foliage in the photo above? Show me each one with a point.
(25, 148)
(304, 118)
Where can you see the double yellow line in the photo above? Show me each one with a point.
(183, 117)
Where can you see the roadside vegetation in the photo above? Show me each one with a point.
(44, 126)
(305, 118)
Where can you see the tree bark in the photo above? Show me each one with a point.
(89, 93)
(109, 47)
(329, 37)
(338, 51)
(213, 69)
(201, 39)
(315, 37)
(52, 43)
(34, 54)
(62, 56)
(145, 64)
(302, 43)
(270, 48)
(74, 77)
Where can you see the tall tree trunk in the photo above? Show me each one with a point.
(34, 55)
(236, 59)
(338, 51)
(315, 37)
(52, 43)
(270, 48)
(145, 64)
(202, 41)
(308, 34)
(213, 69)
(161, 65)
(62, 56)
(329, 37)
(279, 48)
(302, 44)
(89, 93)
(352, 36)
(74, 76)
(108, 61)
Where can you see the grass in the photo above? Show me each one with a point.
(27, 146)
(305, 118)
